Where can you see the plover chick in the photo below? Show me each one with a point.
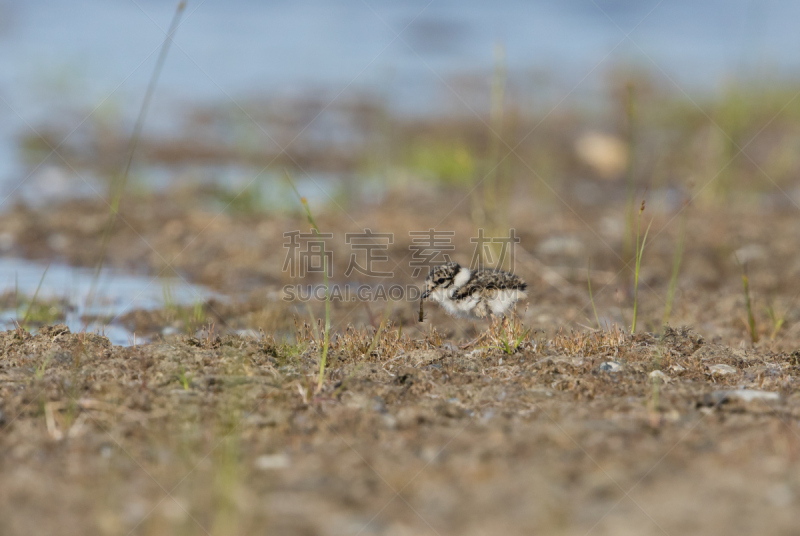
(473, 294)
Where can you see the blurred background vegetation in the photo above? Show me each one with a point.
(467, 114)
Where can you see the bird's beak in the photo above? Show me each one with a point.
(425, 294)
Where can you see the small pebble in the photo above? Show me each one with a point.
(743, 395)
(721, 370)
(657, 374)
(610, 366)
(272, 461)
(389, 421)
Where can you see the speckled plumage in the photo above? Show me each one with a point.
(473, 294)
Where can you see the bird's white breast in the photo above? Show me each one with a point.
(504, 300)
(458, 308)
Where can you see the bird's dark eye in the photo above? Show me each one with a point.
(440, 281)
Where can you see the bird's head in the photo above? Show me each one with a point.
(442, 277)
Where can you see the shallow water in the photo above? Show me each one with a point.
(116, 295)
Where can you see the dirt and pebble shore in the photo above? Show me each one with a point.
(598, 433)
(215, 426)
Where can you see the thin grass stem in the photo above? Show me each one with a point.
(326, 343)
(33, 301)
(118, 191)
(639, 254)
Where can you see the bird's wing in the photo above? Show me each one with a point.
(490, 280)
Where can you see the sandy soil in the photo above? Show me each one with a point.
(227, 436)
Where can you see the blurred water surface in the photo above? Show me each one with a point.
(115, 295)
(94, 54)
(71, 64)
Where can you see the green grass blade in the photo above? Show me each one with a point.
(326, 343)
(33, 301)
(639, 254)
(118, 192)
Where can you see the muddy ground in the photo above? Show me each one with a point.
(563, 243)
(574, 434)
(216, 426)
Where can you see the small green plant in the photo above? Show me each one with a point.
(44, 313)
(173, 310)
(287, 351)
(751, 319)
(508, 335)
(326, 343)
(776, 319)
(198, 313)
(510, 345)
(185, 379)
(639, 254)
(192, 319)
(169, 302)
(42, 367)
(33, 300)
